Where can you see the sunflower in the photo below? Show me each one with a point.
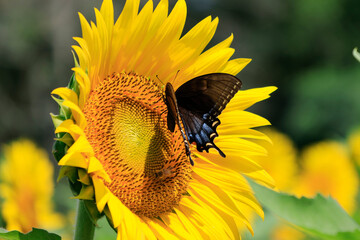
(26, 179)
(328, 169)
(113, 126)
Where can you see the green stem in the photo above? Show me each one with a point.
(85, 228)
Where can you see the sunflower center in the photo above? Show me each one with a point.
(127, 128)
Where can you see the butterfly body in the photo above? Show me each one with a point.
(198, 103)
(174, 116)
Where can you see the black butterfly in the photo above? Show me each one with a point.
(198, 103)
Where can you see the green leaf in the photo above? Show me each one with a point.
(320, 216)
(35, 234)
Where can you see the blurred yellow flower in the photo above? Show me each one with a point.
(327, 169)
(354, 144)
(280, 162)
(286, 232)
(26, 185)
(135, 169)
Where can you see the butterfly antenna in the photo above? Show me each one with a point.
(175, 76)
(159, 80)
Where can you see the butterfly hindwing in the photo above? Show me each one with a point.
(200, 102)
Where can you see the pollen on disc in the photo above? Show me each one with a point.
(126, 126)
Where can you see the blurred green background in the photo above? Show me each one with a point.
(302, 47)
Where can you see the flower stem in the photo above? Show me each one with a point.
(84, 228)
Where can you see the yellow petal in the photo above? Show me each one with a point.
(160, 230)
(86, 30)
(81, 146)
(74, 159)
(96, 167)
(206, 219)
(66, 94)
(245, 99)
(173, 222)
(107, 11)
(102, 194)
(234, 66)
(227, 179)
(76, 112)
(263, 177)
(241, 119)
(232, 161)
(70, 127)
(239, 146)
(84, 84)
(116, 210)
(199, 191)
(189, 47)
(188, 225)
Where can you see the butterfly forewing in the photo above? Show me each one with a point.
(200, 101)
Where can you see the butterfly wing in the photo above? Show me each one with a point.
(200, 101)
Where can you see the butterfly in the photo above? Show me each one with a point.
(197, 104)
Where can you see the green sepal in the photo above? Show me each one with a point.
(64, 172)
(92, 210)
(75, 60)
(57, 119)
(59, 150)
(72, 174)
(109, 218)
(64, 111)
(67, 139)
(84, 177)
(75, 185)
(73, 85)
(35, 234)
(86, 193)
